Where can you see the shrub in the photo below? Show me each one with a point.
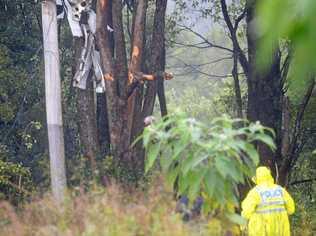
(206, 160)
(15, 182)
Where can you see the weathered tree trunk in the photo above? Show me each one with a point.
(162, 97)
(157, 60)
(87, 123)
(86, 113)
(157, 64)
(115, 77)
(124, 81)
(135, 101)
(103, 125)
(237, 86)
(102, 112)
(53, 100)
(286, 125)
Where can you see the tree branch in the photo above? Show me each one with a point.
(195, 45)
(285, 67)
(239, 18)
(120, 47)
(199, 65)
(205, 40)
(139, 78)
(241, 55)
(290, 156)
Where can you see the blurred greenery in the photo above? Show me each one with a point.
(294, 22)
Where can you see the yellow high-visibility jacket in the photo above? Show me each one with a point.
(267, 207)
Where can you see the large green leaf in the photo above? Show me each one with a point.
(152, 155)
(210, 182)
(266, 139)
(195, 179)
(252, 153)
(222, 165)
(172, 175)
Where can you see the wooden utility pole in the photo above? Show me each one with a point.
(53, 100)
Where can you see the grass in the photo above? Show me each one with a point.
(114, 211)
(111, 212)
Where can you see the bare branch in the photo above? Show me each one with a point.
(239, 18)
(241, 55)
(139, 78)
(294, 148)
(300, 113)
(195, 45)
(205, 40)
(199, 65)
(193, 68)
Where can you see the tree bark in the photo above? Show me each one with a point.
(238, 54)
(86, 113)
(124, 84)
(53, 100)
(162, 97)
(87, 123)
(102, 112)
(135, 122)
(264, 91)
(286, 126)
(115, 76)
(157, 61)
(237, 86)
(103, 125)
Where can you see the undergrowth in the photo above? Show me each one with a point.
(109, 211)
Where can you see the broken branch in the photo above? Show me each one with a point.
(138, 78)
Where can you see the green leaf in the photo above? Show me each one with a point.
(183, 184)
(172, 175)
(193, 159)
(152, 155)
(235, 218)
(210, 182)
(180, 145)
(222, 165)
(266, 139)
(165, 162)
(146, 138)
(195, 179)
(252, 153)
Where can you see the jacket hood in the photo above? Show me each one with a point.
(263, 176)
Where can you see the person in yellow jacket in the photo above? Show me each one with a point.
(267, 206)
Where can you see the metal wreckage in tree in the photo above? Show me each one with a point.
(82, 21)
